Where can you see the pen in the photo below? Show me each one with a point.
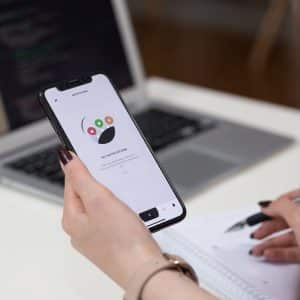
(253, 220)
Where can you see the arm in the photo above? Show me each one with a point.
(110, 235)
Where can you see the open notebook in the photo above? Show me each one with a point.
(222, 261)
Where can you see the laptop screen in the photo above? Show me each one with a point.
(44, 42)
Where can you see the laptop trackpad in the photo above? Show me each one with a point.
(190, 169)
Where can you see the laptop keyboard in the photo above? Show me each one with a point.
(160, 128)
(163, 129)
(43, 164)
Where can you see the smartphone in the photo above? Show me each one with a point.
(91, 119)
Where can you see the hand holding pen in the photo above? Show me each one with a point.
(256, 218)
(285, 214)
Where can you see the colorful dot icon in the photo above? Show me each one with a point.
(100, 129)
(91, 131)
(99, 123)
(109, 120)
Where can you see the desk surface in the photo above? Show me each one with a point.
(36, 259)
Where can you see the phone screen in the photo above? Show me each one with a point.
(104, 136)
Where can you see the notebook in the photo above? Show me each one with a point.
(222, 262)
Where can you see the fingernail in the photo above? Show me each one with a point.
(264, 203)
(252, 236)
(250, 252)
(64, 156)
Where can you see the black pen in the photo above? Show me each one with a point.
(253, 220)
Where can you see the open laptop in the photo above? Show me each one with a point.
(47, 41)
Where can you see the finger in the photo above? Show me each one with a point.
(80, 179)
(283, 204)
(292, 194)
(268, 228)
(71, 209)
(285, 240)
(283, 207)
(287, 210)
(72, 203)
(74, 213)
(90, 192)
(284, 255)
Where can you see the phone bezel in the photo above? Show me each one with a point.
(66, 142)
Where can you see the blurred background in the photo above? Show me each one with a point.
(247, 47)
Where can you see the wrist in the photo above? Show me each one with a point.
(138, 264)
(153, 268)
(131, 265)
(165, 283)
(173, 285)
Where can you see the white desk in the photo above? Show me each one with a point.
(36, 260)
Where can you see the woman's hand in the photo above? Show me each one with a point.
(101, 227)
(286, 214)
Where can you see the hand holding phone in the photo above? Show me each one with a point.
(89, 208)
(92, 120)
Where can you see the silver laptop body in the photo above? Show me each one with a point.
(191, 164)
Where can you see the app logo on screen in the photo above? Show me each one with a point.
(100, 130)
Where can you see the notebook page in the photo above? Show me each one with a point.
(230, 252)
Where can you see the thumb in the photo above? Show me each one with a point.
(292, 194)
(78, 176)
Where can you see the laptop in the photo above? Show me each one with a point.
(48, 41)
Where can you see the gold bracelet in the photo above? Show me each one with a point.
(137, 284)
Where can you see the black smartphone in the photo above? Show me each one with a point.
(91, 119)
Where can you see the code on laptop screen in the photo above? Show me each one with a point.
(43, 42)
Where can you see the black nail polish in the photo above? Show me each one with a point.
(250, 252)
(264, 203)
(64, 156)
(252, 236)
